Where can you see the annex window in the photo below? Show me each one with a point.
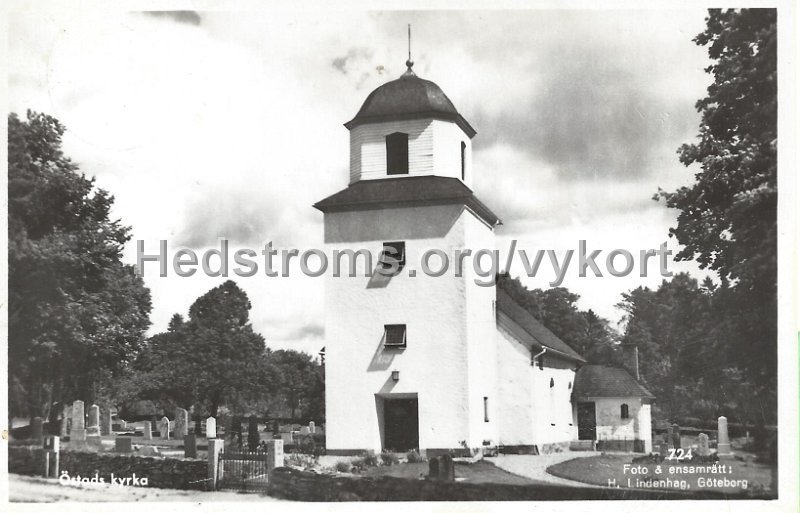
(623, 411)
(394, 335)
(463, 160)
(393, 255)
(486, 409)
(397, 154)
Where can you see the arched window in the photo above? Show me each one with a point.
(623, 411)
(397, 154)
(463, 160)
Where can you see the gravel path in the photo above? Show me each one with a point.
(535, 467)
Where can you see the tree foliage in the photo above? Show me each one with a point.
(727, 219)
(76, 313)
(584, 331)
(215, 359)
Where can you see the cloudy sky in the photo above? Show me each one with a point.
(213, 124)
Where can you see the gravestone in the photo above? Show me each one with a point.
(37, 428)
(147, 430)
(702, 445)
(305, 431)
(676, 436)
(668, 437)
(447, 471)
(253, 437)
(66, 413)
(181, 423)
(94, 420)
(123, 444)
(78, 430)
(211, 427)
(236, 429)
(190, 446)
(433, 468)
(723, 442)
(163, 428)
(312, 427)
(287, 438)
(274, 454)
(105, 422)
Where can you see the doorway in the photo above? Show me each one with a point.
(587, 421)
(401, 424)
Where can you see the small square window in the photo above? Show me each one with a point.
(393, 254)
(394, 335)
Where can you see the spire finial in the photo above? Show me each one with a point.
(409, 62)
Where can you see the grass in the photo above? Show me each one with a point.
(480, 472)
(598, 470)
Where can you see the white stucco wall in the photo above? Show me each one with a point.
(437, 311)
(434, 148)
(611, 426)
(531, 411)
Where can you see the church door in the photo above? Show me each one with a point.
(587, 421)
(401, 424)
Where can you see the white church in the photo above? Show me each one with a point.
(442, 364)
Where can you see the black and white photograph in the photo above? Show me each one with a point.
(538, 256)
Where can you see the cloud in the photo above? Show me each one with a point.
(188, 17)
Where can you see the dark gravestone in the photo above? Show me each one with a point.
(236, 429)
(37, 428)
(676, 436)
(433, 468)
(447, 471)
(190, 446)
(123, 444)
(252, 433)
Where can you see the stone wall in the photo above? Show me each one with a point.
(160, 472)
(286, 483)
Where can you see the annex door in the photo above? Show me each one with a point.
(401, 424)
(587, 421)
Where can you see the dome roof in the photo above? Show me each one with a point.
(408, 97)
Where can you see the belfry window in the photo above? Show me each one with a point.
(394, 335)
(623, 411)
(397, 154)
(463, 160)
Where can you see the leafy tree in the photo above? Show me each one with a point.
(212, 359)
(584, 331)
(76, 313)
(727, 219)
(300, 383)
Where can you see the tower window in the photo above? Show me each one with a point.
(393, 255)
(486, 409)
(394, 335)
(397, 154)
(463, 160)
(623, 411)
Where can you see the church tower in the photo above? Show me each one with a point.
(411, 358)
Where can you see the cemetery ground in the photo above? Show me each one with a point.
(39, 489)
(600, 469)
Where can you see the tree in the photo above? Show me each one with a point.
(300, 384)
(77, 314)
(727, 219)
(212, 359)
(584, 331)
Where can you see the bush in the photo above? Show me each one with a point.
(299, 460)
(371, 460)
(343, 466)
(414, 457)
(389, 458)
(358, 465)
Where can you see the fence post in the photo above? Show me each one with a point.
(215, 446)
(52, 445)
(274, 454)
